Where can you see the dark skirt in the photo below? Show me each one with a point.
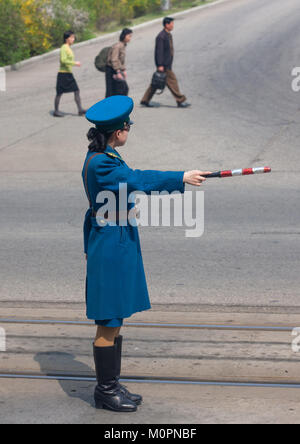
(115, 87)
(114, 323)
(66, 83)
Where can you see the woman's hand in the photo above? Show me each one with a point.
(195, 177)
(78, 64)
(119, 76)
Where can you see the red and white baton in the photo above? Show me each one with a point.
(241, 172)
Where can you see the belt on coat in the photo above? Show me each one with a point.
(117, 215)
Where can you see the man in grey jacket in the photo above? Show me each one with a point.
(164, 56)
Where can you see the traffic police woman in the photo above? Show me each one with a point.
(116, 285)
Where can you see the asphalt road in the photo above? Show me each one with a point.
(164, 404)
(234, 63)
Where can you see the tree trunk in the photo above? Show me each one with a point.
(165, 5)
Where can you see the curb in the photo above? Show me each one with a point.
(55, 52)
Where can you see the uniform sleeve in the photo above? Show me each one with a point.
(87, 229)
(109, 175)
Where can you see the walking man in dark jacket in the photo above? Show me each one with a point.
(164, 55)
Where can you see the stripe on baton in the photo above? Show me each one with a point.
(245, 172)
(240, 172)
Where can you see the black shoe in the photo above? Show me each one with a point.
(183, 105)
(58, 114)
(108, 394)
(82, 112)
(147, 104)
(137, 399)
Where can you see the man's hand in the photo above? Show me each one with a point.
(161, 68)
(195, 177)
(78, 64)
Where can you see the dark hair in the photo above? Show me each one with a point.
(98, 140)
(67, 35)
(124, 33)
(167, 21)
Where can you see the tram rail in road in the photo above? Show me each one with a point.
(147, 380)
(150, 324)
(180, 353)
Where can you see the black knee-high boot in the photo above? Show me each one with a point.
(108, 394)
(137, 399)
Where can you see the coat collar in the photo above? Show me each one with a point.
(112, 152)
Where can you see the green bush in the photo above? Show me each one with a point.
(13, 46)
(141, 7)
(64, 16)
(31, 27)
(120, 11)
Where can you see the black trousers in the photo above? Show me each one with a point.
(115, 87)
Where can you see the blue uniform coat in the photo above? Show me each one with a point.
(116, 285)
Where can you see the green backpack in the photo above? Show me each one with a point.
(101, 59)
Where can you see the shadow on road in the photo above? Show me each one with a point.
(74, 389)
(51, 113)
(159, 105)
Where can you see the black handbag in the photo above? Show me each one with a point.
(120, 87)
(159, 81)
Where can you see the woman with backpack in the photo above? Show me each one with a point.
(115, 74)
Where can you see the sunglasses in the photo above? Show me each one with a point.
(127, 127)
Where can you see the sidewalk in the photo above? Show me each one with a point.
(108, 36)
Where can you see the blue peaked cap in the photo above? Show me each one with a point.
(111, 114)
